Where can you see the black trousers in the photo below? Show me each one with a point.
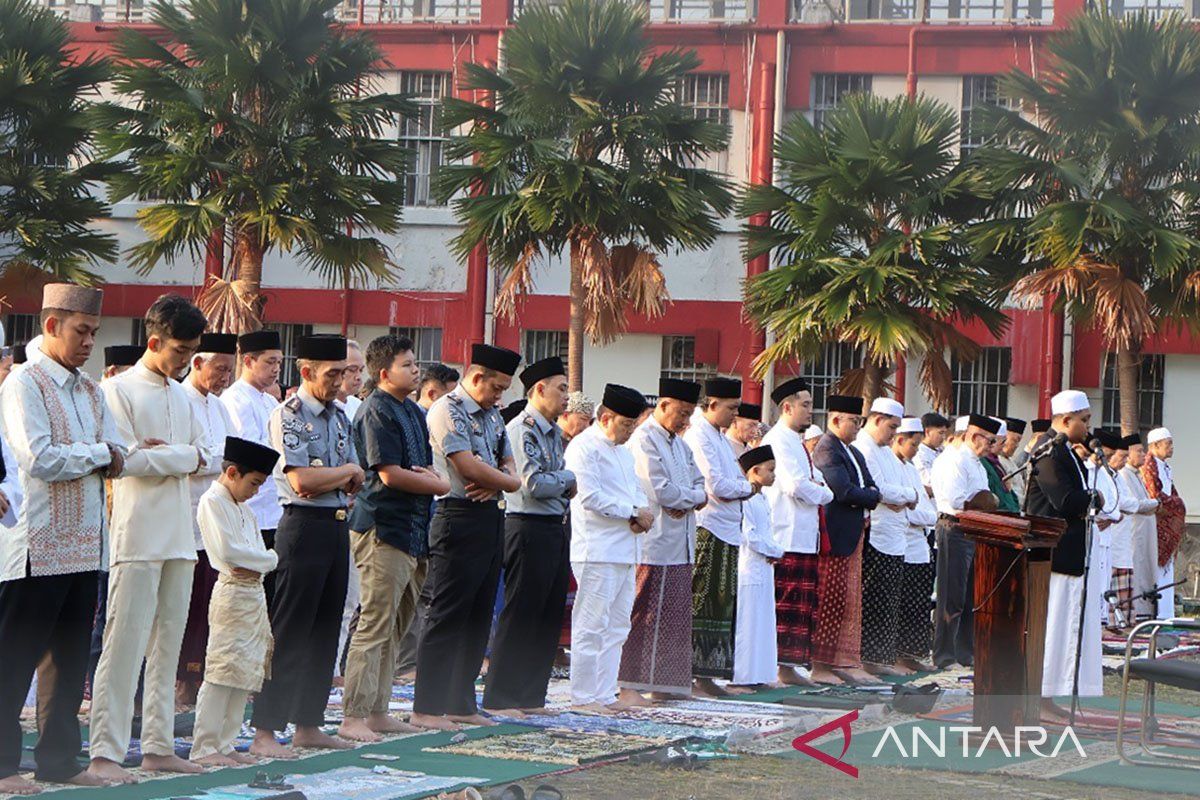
(465, 551)
(268, 535)
(306, 617)
(537, 568)
(954, 623)
(49, 615)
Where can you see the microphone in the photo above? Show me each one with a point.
(1048, 445)
(1096, 448)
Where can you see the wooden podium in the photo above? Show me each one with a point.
(1012, 586)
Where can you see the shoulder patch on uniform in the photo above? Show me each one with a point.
(453, 398)
(528, 421)
(532, 449)
(292, 404)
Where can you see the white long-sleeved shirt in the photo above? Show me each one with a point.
(920, 519)
(608, 494)
(889, 529)
(957, 476)
(724, 482)
(758, 544)
(214, 419)
(798, 493)
(250, 412)
(1141, 520)
(68, 537)
(923, 461)
(152, 502)
(10, 486)
(671, 480)
(231, 534)
(1105, 482)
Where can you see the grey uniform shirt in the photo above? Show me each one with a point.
(545, 481)
(457, 424)
(309, 433)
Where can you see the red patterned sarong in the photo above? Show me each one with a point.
(795, 606)
(837, 639)
(657, 656)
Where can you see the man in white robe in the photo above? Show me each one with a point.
(1172, 515)
(1143, 538)
(153, 553)
(608, 512)
(1108, 521)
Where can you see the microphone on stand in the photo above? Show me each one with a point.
(1048, 445)
(1097, 449)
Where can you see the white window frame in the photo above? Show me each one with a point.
(981, 386)
(539, 344)
(824, 373)
(424, 135)
(978, 93)
(830, 88)
(1150, 393)
(679, 360)
(427, 343)
(290, 334)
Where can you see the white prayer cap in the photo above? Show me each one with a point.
(1069, 402)
(813, 432)
(886, 405)
(1157, 435)
(911, 425)
(1003, 427)
(960, 424)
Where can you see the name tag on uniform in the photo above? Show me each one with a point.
(316, 462)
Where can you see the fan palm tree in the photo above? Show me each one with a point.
(255, 123)
(1095, 183)
(584, 149)
(45, 205)
(865, 224)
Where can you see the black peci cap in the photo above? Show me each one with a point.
(259, 341)
(510, 411)
(250, 455)
(750, 411)
(844, 404)
(789, 388)
(540, 370)
(322, 347)
(723, 388)
(222, 343)
(988, 424)
(1015, 425)
(755, 456)
(623, 401)
(675, 389)
(1039, 425)
(122, 355)
(500, 359)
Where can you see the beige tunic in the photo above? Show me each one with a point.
(239, 636)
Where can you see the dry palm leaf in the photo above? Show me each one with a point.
(853, 380)
(937, 381)
(639, 273)
(1074, 280)
(226, 305)
(602, 300)
(1122, 308)
(518, 283)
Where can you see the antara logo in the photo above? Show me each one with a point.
(842, 723)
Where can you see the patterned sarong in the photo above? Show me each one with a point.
(714, 606)
(915, 638)
(195, 633)
(795, 606)
(657, 655)
(837, 638)
(882, 576)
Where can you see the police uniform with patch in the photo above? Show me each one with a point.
(465, 548)
(312, 542)
(537, 565)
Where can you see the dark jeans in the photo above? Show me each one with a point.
(954, 623)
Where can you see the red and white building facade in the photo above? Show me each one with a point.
(761, 64)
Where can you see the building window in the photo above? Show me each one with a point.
(536, 345)
(824, 373)
(700, 10)
(1152, 8)
(881, 9)
(1042, 10)
(679, 360)
(706, 96)
(981, 386)
(20, 328)
(1149, 393)
(411, 11)
(978, 93)
(423, 134)
(969, 10)
(289, 336)
(829, 89)
(427, 344)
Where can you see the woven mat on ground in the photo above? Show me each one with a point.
(360, 783)
(554, 747)
(593, 723)
(774, 718)
(1092, 723)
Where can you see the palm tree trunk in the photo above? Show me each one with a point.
(872, 381)
(575, 331)
(1129, 362)
(247, 265)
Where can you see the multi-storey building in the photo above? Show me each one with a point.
(761, 63)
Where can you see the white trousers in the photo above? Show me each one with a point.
(1166, 604)
(600, 623)
(1101, 576)
(147, 612)
(219, 714)
(1062, 631)
(353, 595)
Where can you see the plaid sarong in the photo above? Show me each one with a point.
(795, 606)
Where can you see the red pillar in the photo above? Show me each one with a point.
(1050, 382)
(762, 146)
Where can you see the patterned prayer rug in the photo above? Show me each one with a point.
(554, 747)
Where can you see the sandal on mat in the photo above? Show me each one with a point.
(509, 792)
(264, 781)
(546, 792)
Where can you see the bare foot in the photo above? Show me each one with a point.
(540, 712)
(110, 771)
(409, 676)
(857, 676)
(432, 722)
(386, 723)
(186, 693)
(618, 707)
(1054, 710)
(916, 665)
(788, 676)
(901, 669)
(338, 680)
(265, 746)
(631, 699)
(316, 739)
(663, 697)
(242, 758)
(595, 709)
(823, 674)
(472, 719)
(15, 784)
(731, 689)
(705, 687)
(171, 763)
(85, 778)
(512, 713)
(216, 760)
(356, 730)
